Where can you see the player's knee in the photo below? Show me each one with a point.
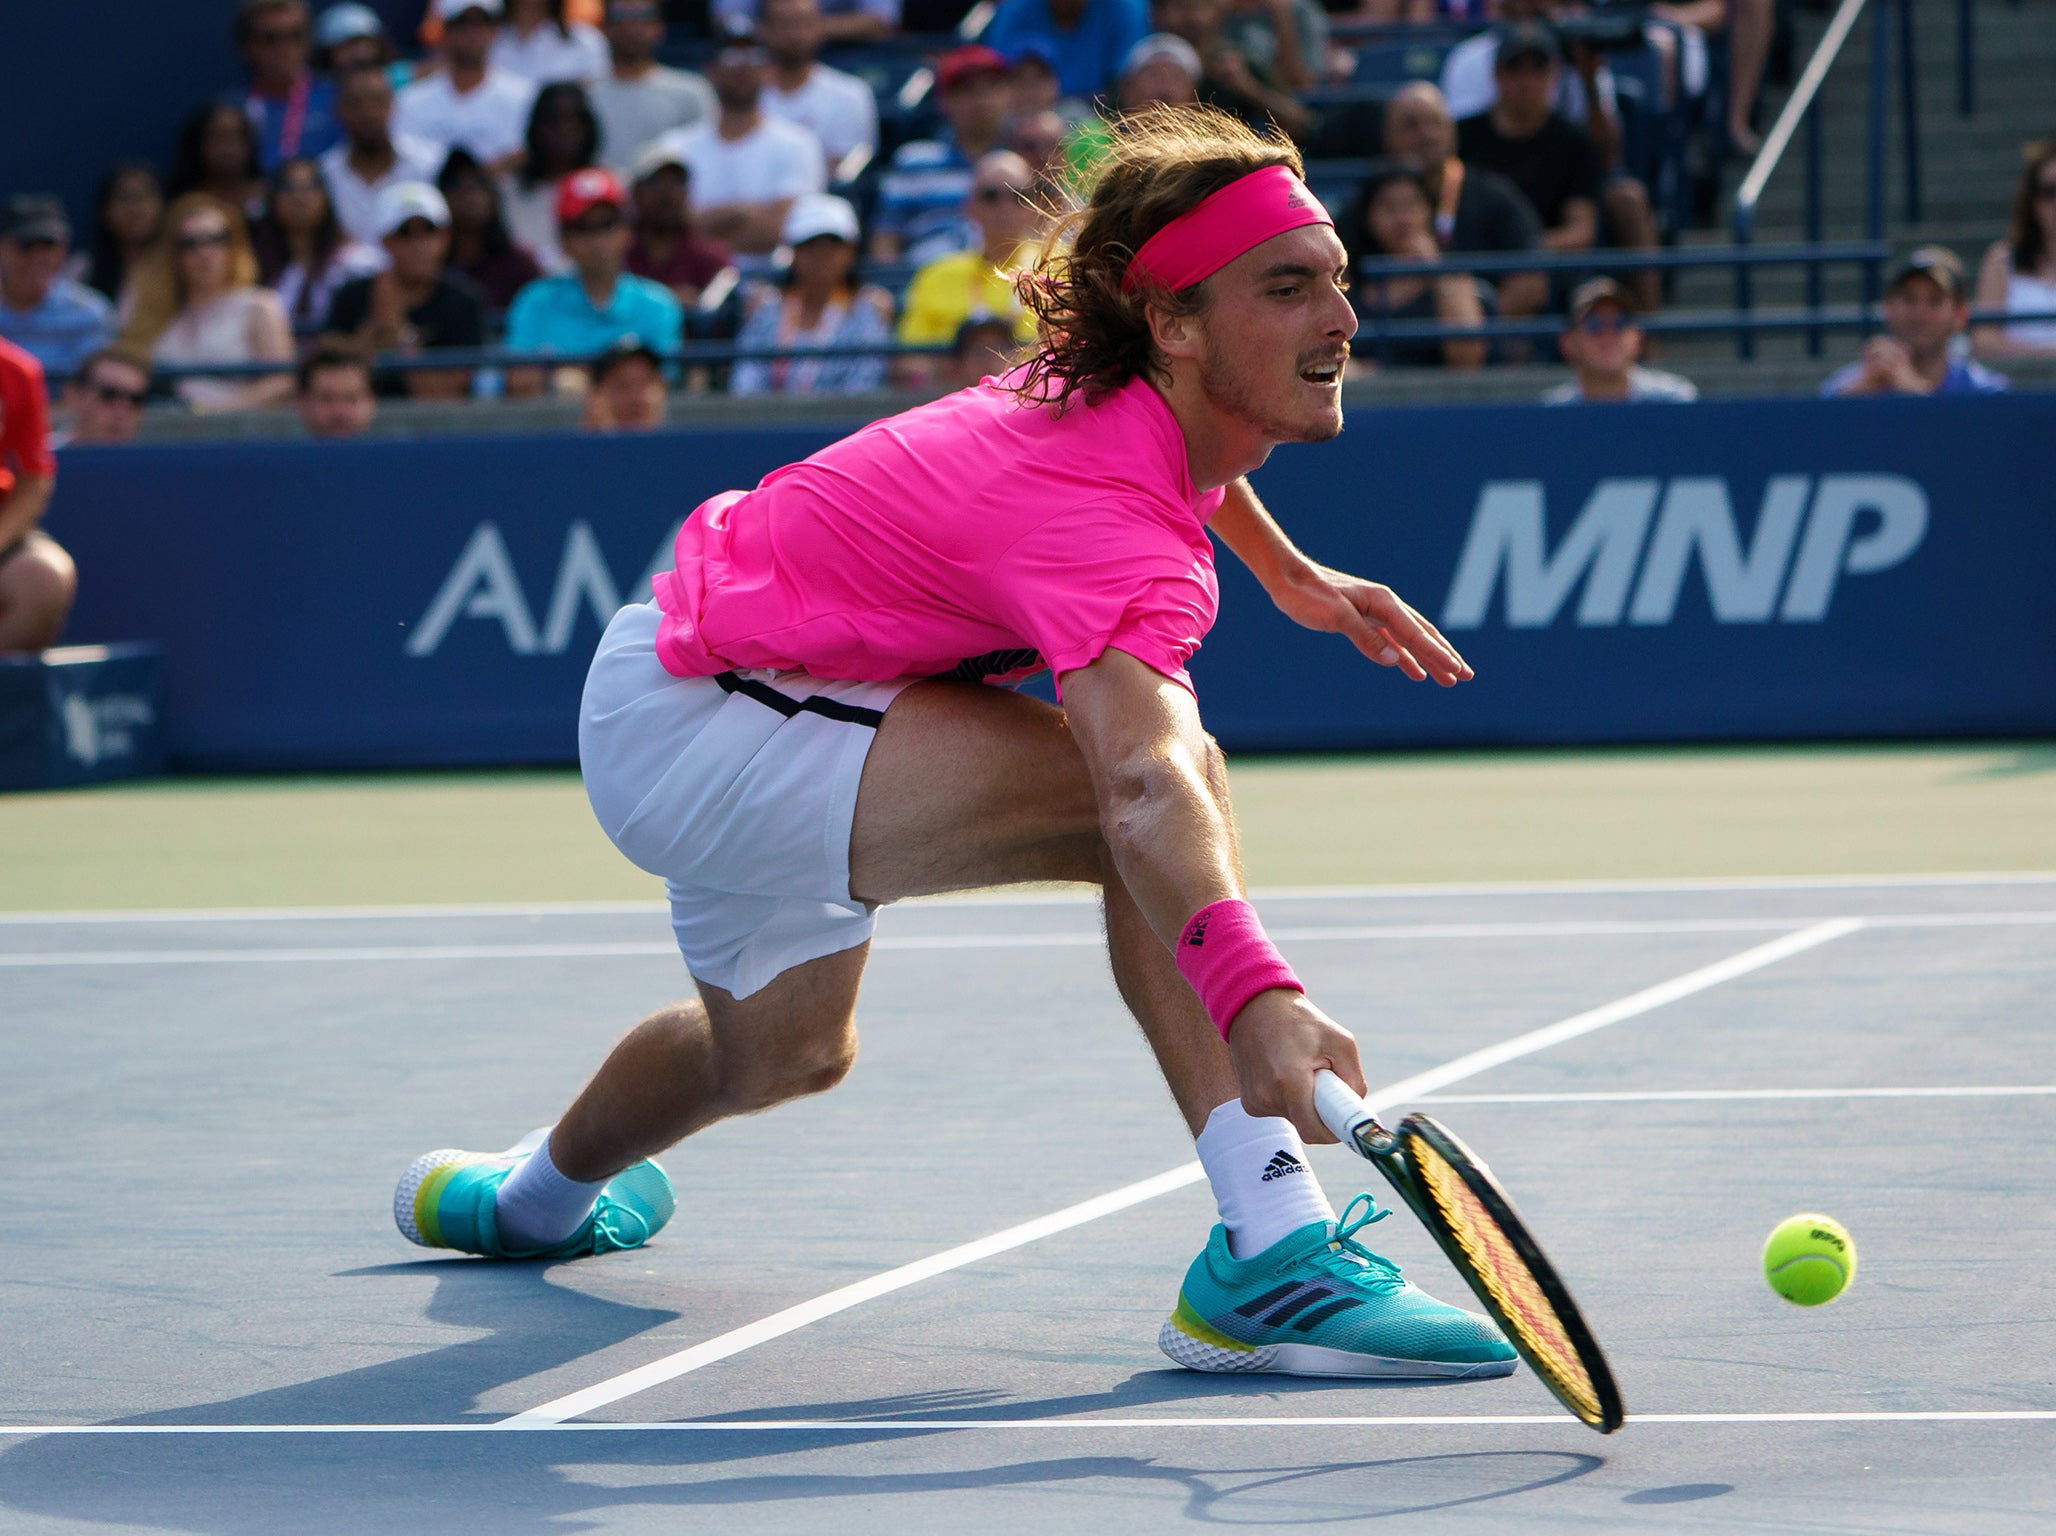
(798, 1071)
(1627, 202)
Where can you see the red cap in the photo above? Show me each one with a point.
(960, 64)
(586, 190)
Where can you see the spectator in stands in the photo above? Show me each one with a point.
(468, 104)
(1392, 218)
(335, 394)
(1042, 139)
(666, 248)
(198, 302)
(1089, 38)
(580, 313)
(303, 253)
(543, 47)
(950, 289)
(1927, 306)
(128, 218)
(1603, 345)
(2018, 273)
(1228, 80)
(1476, 210)
(1035, 83)
(480, 247)
(921, 195)
(1585, 94)
(563, 137)
(984, 345)
(843, 21)
(350, 36)
(638, 98)
(838, 109)
(291, 108)
(627, 392)
(37, 578)
(1749, 25)
(104, 399)
(416, 304)
(1163, 67)
(746, 166)
(371, 157)
(819, 302)
(42, 311)
(1552, 160)
(217, 154)
(1285, 41)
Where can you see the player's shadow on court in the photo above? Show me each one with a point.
(522, 1483)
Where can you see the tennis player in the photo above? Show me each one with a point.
(804, 725)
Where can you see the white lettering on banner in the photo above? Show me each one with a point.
(1509, 537)
(101, 729)
(483, 585)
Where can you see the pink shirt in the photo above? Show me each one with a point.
(973, 537)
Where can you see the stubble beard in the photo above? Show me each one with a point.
(1234, 392)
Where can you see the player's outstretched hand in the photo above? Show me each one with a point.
(1376, 620)
(1278, 1042)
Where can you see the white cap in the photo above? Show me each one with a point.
(654, 156)
(1162, 45)
(409, 200)
(819, 213)
(445, 9)
(342, 23)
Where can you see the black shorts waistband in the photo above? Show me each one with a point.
(830, 709)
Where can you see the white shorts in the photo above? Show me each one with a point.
(740, 791)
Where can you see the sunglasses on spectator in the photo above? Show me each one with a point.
(414, 229)
(998, 194)
(1604, 325)
(37, 242)
(631, 13)
(107, 394)
(203, 242)
(277, 36)
(2045, 191)
(595, 226)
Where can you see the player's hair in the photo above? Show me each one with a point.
(1094, 336)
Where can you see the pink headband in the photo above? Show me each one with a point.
(1238, 218)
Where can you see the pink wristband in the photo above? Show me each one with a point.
(1225, 957)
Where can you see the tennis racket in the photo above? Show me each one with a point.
(1459, 1201)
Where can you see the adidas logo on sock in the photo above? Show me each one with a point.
(1281, 1164)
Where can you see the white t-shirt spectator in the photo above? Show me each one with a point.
(838, 109)
(633, 112)
(490, 120)
(355, 198)
(1470, 88)
(530, 213)
(774, 161)
(547, 56)
(1643, 384)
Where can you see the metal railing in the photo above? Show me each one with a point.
(1802, 110)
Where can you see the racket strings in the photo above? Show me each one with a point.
(1512, 1285)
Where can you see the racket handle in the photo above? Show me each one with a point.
(1341, 1111)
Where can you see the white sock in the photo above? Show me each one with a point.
(1260, 1178)
(537, 1206)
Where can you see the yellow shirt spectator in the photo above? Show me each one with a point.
(950, 289)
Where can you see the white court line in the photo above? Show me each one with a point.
(1083, 939)
(1733, 1095)
(778, 1324)
(932, 1426)
(458, 910)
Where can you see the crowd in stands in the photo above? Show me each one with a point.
(541, 179)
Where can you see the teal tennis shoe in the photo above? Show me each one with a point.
(447, 1199)
(1319, 1303)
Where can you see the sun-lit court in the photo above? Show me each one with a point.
(214, 1326)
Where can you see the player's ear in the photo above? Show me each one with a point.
(1175, 335)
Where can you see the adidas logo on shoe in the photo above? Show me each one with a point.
(1281, 1164)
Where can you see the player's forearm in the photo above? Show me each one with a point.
(1254, 537)
(23, 509)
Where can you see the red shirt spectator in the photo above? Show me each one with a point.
(36, 575)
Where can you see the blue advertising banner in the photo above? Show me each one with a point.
(1726, 571)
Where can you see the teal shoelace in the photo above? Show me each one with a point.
(609, 1223)
(1347, 1259)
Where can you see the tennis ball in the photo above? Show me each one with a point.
(1810, 1259)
